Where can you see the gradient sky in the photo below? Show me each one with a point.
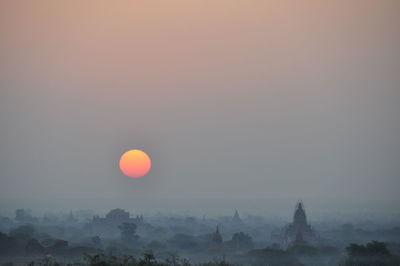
(245, 99)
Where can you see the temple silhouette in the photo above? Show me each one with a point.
(299, 229)
(110, 223)
(296, 232)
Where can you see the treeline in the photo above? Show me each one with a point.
(23, 241)
(371, 254)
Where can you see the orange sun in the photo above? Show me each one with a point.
(135, 163)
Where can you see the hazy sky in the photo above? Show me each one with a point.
(231, 99)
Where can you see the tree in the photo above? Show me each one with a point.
(242, 241)
(155, 244)
(128, 233)
(22, 215)
(23, 231)
(8, 245)
(372, 254)
(183, 241)
(373, 248)
(148, 259)
(96, 241)
(377, 248)
(109, 260)
(34, 247)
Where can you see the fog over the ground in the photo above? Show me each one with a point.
(240, 104)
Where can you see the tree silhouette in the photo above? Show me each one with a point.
(128, 233)
(242, 241)
(373, 248)
(372, 254)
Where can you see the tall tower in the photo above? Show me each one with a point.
(299, 226)
(299, 217)
(236, 217)
(216, 241)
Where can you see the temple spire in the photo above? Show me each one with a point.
(236, 217)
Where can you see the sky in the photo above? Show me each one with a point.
(233, 100)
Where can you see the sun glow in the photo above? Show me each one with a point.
(135, 163)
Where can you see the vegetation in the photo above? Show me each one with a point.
(115, 241)
(372, 254)
(128, 233)
(147, 259)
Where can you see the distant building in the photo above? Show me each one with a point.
(71, 218)
(299, 230)
(25, 216)
(117, 217)
(112, 220)
(216, 240)
(236, 221)
(299, 241)
(240, 241)
(236, 217)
